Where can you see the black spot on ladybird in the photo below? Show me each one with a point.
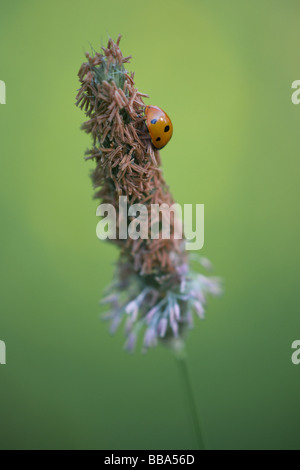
(167, 128)
(153, 121)
(158, 139)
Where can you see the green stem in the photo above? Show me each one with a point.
(185, 376)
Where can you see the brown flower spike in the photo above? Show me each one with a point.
(155, 288)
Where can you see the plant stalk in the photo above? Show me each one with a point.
(189, 395)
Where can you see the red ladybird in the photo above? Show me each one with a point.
(159, 126)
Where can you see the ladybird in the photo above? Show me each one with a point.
(159, 126)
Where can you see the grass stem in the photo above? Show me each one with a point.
(188, 389)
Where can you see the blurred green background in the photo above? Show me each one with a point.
(223, 72)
